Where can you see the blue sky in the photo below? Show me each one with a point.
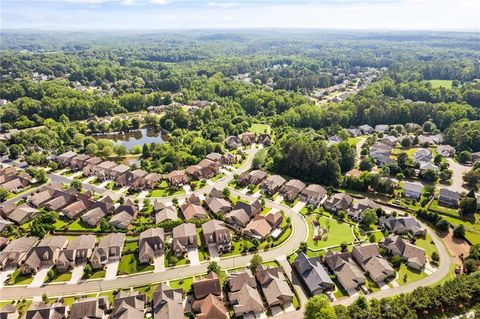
(210, 14)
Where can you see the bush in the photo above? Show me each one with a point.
(396, 261)
(459, 231)
(435, 257)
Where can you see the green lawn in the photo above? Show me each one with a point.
(99, 274)
(163, 192)
(353, 140)
(18, 279)
(472, 224)
(371, 285)
(217, 177)
(337, 232)
(78, 224)
(411, 275)
(59, 277)
(427, 244)
(185, 284)
(441, 83)
(378, 235)
(259, 128)
(61, 222)
(129, 264)
(110, 296)
(171, 260)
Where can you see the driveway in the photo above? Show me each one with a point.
(457, 177)
(39, 277)
(192, 255)
(111, 271)
(77, 274)
(159, 263)
(298, 207)
(4, 275)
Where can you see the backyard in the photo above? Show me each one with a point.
(334, 232)
(259, 128)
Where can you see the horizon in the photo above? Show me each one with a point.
(168, 15)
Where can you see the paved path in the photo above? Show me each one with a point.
(457, 177)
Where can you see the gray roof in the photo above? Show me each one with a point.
(313, 273)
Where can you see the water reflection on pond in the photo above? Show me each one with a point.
(130, 139)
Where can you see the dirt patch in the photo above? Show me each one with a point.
(456, 246)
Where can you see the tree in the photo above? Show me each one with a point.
(41, 176)
(464, 157)
(470, 266)
(14, 151)
(214, 267)
(442, 225)
(260, 159)
(3, 149)
(344, 245)
(77, 184)
(303, 246)
(319, 307)
(406, 142)
(226, 192)
(396, 261)
(3, 194)
(366, 164)
(50, 275)
(87, 271)
(472, 178)
(255, 262)
(468, 205)
(369, 218)
(435, 257)
(459, 231)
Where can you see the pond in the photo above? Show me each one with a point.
(130, 139)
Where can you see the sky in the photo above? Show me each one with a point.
(460, 15)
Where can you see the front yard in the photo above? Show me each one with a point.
(185, 284)
(408, 275)
(129, 264)
(18, 279)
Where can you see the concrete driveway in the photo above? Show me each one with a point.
(111, 271)
(457, 177)
(192, 255)
(39, 277)
(77, 274)
(159, 263)
(4, 275)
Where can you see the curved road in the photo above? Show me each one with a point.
(299, 233)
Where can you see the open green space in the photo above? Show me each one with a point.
(441, 83)
(129, 264)
(259, 128)
(408, 275)
(80, 225)
(335, 232)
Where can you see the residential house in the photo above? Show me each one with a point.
(251, 209)
(389, 140)
(216, 235)
(211, 307)
(237, 218)
(314, 276)
(247, 138)
(264, 139)
(254, 177)
(230, 159)
(412, 190)
(178, 178)
(151, 245)
(79, 161)
(422, 155)
(193, 211)
(210, 285)
(124, 215)
(338, 202)
(166, 214)
(64, 159)
(44, 195)
(233, 142)
(292, 189)
(129, 177)
(359, 206)
(77, 252)
(448, 197)
(237, 280)
(81, 203)
(92, 308)
(413, 255)
(16, 251)
(369, 258)
(9, 311)
(366, 129)
(334, 139)
(129, 305)
(103, 171)
(346, 270)
(215, 157)
(20, 214)
(446, 150)
(98, 210)
(314, 194)
(184, 238)
(273, 184)
(218, 205)
(216, 193)
(274, 286)
(354, 132)
(402, 225)
(44, 255)
(40, 310)
(109, 249)
(381, 128)
(167, 303)
(262, 226)
(245, 301)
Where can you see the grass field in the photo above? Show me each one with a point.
(129, 264)
(441, 83)
(427, 244)
(337, 232)
(99, 274)
(408, 275)
(259, 128)
(60, 277)
(185, 284)
(78, 224)
(353, 140)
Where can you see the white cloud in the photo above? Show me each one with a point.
(216, 4)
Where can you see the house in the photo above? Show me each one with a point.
(381, 148)
(148, 181)
(448, 197)
(16, 251)
(233, 142)
(251, 209)
(347, 272)
(128, 178)
(44, 195)
(109, 249)
(205, 169)
(78, 162)
(184, 238)
(230, 159)
(44, 255)
(446, 150)
(245, 301)
(77, 252)
(422, 155)
(151, 245)
(124, 215)
(338, 202)
(210, 285)
(274, 286)
(314, 276)
(369, 258)
(412, 190)
(247, 138)
(98, 210)
(402, 225)
(40, 310)
(354, 132)
(366, 129)
(129, 305)
(193, 211)
(92, 308)
(254, 177)
(167, 302)
(313, 194)
(413, 255)
(215, 157)
(292, 189)
(103, 171)
(359, 206)
(166, 214)
(475, 156)
(380, 158)
(237, 280)
(334, 139)
(9, 311)
(211, 307)
(273, 184)
(178, 178)
(258, 228)
(216, 235)
(61, 199)
(64, 159)
(381, 128)
(3, 242)
(218, 205)
(427, 166)
(216, 193)
(264, 139)
(78, 207)
(22, 214)
(389, 140)
(237, 218)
